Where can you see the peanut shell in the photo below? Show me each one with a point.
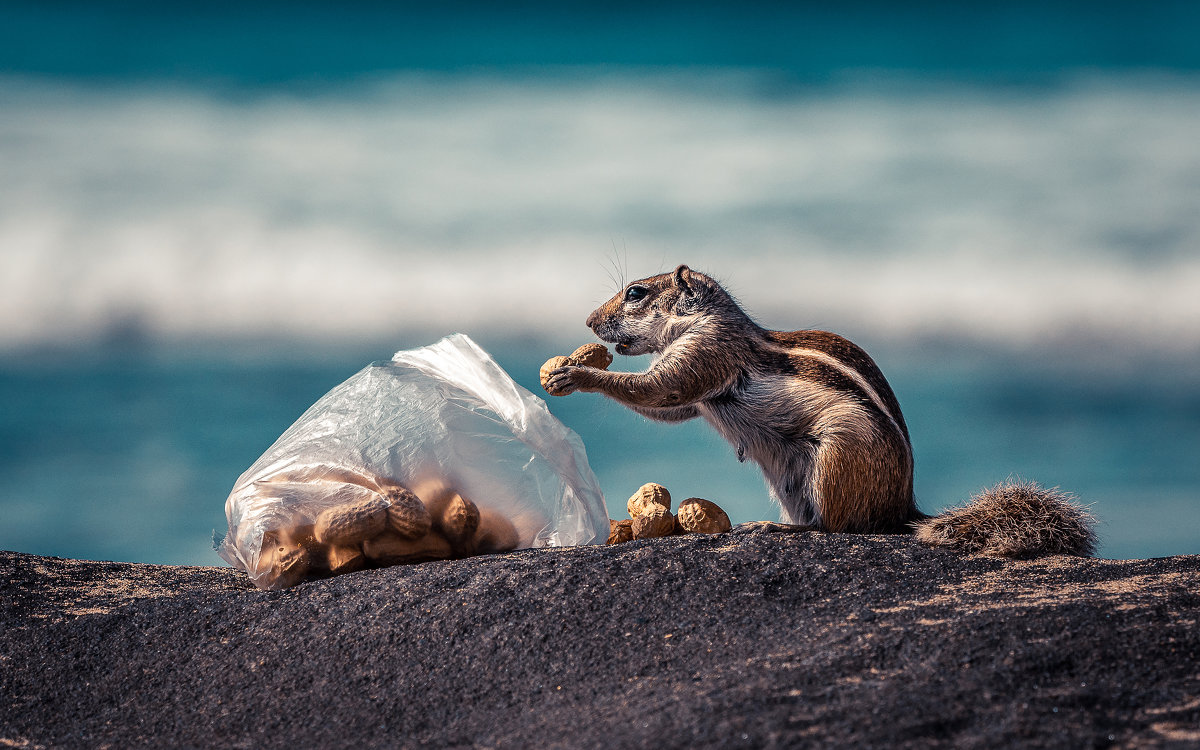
(703, 517)
(495, 534)
(353, 522)
(648, 497)
(345, 559)
(458, 522)
(620, 531)
(300, 535)
(406, 514)
(281, 565)
(551, 365)
(658, 521)
(291, 567)
(389, 548)
(592, 355)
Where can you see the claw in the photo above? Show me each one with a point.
(559, 383)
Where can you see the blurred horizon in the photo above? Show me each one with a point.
(212, 214)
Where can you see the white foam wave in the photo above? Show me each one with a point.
(475, 203)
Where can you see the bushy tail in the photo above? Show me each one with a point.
(1014, 519)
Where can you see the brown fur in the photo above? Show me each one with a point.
(809, 407)
(1014, 519)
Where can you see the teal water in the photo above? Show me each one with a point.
(267, 43)
(129, 455)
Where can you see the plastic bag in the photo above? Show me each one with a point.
(444, 423)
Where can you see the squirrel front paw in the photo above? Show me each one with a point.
(568, 379)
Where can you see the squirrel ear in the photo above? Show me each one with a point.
(682, 276)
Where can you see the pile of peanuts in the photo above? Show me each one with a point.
(356, 526)
(650, 516)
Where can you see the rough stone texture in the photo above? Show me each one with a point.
(756, 640)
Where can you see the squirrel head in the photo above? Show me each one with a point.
(648, 314)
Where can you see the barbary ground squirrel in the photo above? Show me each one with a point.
(813, 411)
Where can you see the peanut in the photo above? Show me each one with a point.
(648, 497)
(406, 514)
(389, 548)
(658, 521)
(592, 355)
(299, 535)
(458, 522)
(345, 559)
(291, 567)
(702, 517)
(280, 564)
(495, 534)
(352, 522)
(551, 365)
(620, 531)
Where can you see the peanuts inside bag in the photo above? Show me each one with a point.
(434, 454)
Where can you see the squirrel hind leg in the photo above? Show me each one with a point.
(1014, 519)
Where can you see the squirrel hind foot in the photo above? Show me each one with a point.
(1014, 519)
(771, 527)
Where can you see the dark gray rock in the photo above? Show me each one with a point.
(763, 640)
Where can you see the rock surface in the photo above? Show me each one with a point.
(761, 640)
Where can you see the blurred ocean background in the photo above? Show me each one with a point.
(212, 214)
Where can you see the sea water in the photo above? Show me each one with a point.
(129, 454)
(210, 217)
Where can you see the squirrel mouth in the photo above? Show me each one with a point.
(623, 344)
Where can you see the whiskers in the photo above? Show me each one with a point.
(618, 266)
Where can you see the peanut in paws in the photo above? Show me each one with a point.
(548, 369)
(592, 355)
(588, 355)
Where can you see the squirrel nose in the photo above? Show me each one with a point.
(593, 319)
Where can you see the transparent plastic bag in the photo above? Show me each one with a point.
(444, 423)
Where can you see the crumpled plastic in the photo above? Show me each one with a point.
(441, 418)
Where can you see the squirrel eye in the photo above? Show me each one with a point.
(635, 293)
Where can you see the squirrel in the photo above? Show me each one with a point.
(816, 414)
